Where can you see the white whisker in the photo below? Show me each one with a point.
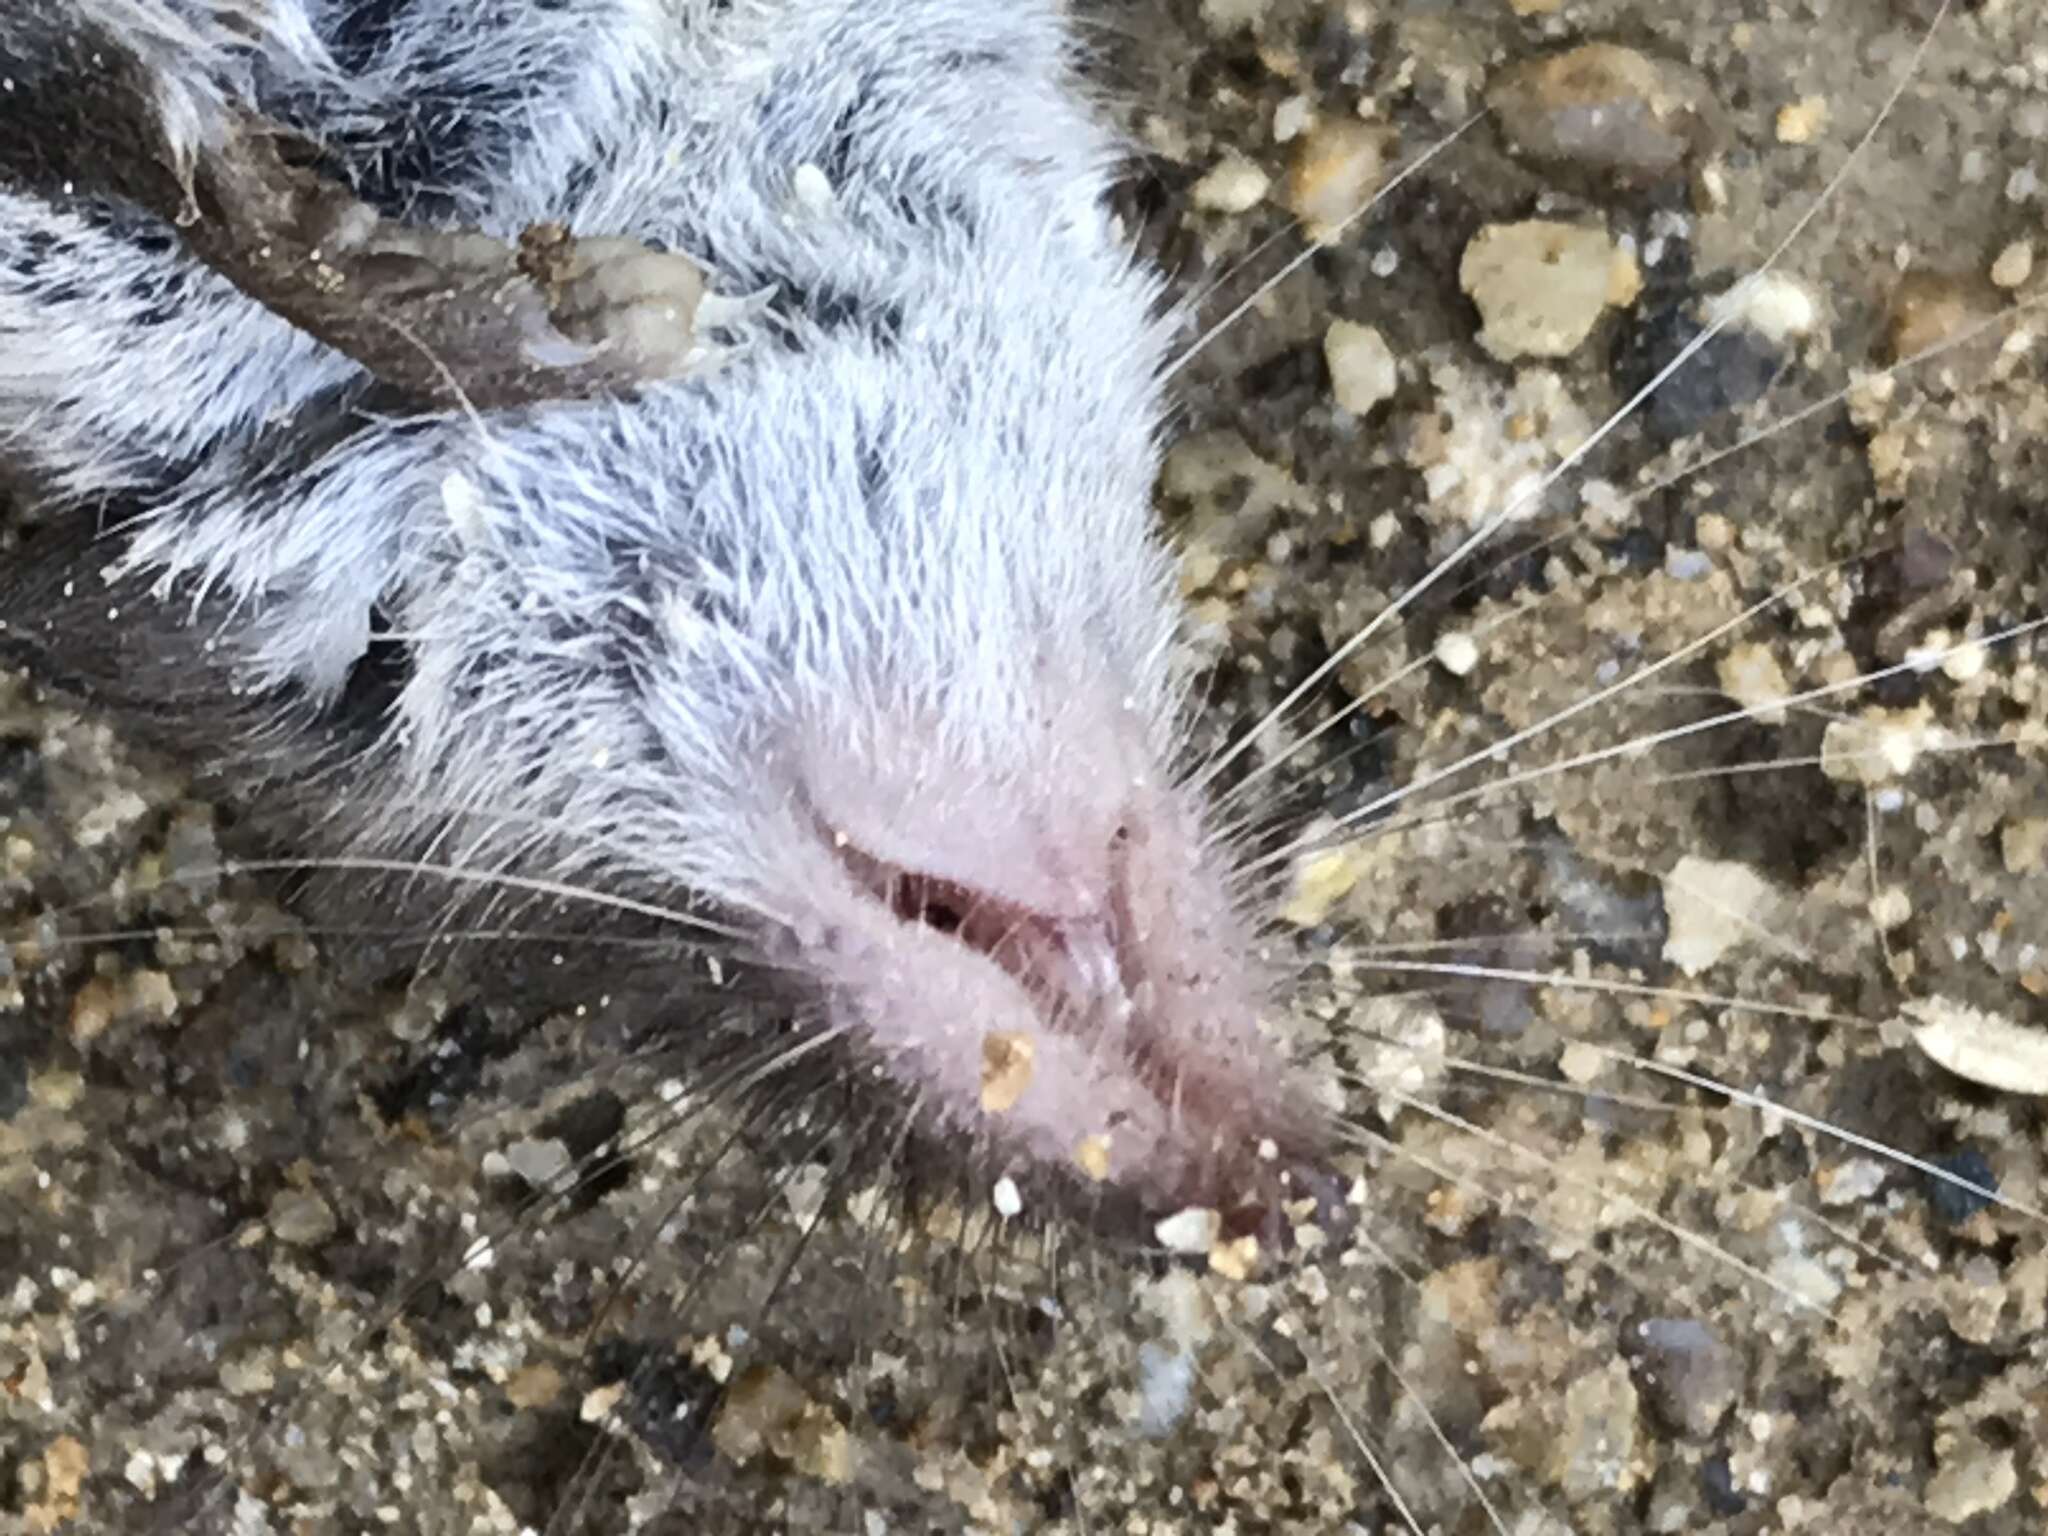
(1826, 1128)
(1620, 749)
(530, 884)
(1618, 989)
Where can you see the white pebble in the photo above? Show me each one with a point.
(538, 1162)
(1363, 371)
(1714, 906)
(1876, 747)
(1233, 185)
(2014, 265)
(1008, 1201)
(1776, 306)
(1964, 662)
(1292, 118)
(1890, 907)
(1682, 564)
(1542, 285)
(1193, 1230)
(1457, 653)
(1857, 1179)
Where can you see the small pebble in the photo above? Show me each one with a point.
(2023, 845)
(1930, 308)
(1401, 1044)
(1542, 285)
(1801, 122)
(2014, 265)
(1604, 111)
(1363, 371)
(1851, 1182)
(535, 1386)
(300, 1218)
(1233, 185)
(1292, 118)
(1682, 564)
(1973, 1480)
(94, 1008)
(1008, 1202)
(1457, 653)
(539, 1161)
(1890, 907)
(768, 1410)
(1876, 747)
(1235, 1260)
(1751, 676)
(1962, 661)
(1338, 166)
(1777, 306)
(1687, 1373)
(1714, 906)
(1193, 1230)
(1594, 1448)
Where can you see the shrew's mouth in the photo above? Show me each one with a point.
(1149, 1007)
(1056, 960)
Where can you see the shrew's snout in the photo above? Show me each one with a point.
(1064, 979)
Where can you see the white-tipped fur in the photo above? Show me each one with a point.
(870, 622)
(891, 567)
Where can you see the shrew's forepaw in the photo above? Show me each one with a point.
(448, 317)
(627, 303)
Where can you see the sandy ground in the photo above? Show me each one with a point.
(234, 1186)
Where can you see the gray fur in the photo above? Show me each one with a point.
(891, 577)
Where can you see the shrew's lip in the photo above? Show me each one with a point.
(1080, 972)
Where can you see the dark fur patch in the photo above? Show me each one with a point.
(75, 118)
(449, 133)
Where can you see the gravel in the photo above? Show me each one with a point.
(238, 1181)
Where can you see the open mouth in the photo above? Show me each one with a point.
(1140, 1019)
(1075, 969)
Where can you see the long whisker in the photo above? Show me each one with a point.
(1359, 701)
(1826, 1128)
(530, 884)
(1436, 1430)
(1792, 420)
(1315, 247)
(1531, 493)
(1351, 1429)
(1494, 751)
(1618, 989)
(1615, 750)
(1684, 1234)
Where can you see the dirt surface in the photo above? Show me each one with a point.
(235, 1190)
